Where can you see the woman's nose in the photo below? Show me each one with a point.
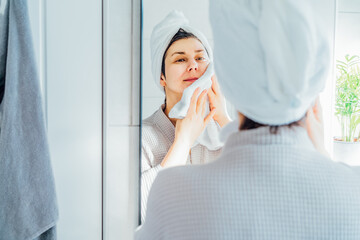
(193, 65)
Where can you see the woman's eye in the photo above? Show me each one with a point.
(201, 58)
(180, 60)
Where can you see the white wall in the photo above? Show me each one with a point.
(74, 106)
(326, 97)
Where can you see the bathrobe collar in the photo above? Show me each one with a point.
(291, 136)
(164, 124)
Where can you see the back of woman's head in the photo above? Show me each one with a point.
(273, 57)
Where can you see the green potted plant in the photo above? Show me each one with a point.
(347, 110)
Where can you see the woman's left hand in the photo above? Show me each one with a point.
(218, 102)
(315, 127)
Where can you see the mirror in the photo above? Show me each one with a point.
(185, 61)
(346, 42)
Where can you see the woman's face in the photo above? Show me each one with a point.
(185, 61)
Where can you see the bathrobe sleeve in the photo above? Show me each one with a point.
(153, 229)
(148, 175)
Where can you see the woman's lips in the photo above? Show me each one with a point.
(191, 79)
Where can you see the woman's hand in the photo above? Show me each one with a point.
(187, 130)
(315, 127)
(217, 101)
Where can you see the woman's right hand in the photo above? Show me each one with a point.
(187, 130)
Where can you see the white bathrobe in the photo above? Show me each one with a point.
(158, 134)
(263, 186)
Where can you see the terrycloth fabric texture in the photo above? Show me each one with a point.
(158, 135)
(272, 58)
(27, 193)
(263, 187)
(161, 36)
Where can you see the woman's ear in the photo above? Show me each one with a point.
(162, 80)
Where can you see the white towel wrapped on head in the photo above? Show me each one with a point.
(272, 57)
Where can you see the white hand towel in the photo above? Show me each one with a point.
(204, 82)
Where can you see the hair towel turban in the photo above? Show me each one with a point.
(272, 58)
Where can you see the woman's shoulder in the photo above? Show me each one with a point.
(149, 125)
(149, 121)
(150, 128)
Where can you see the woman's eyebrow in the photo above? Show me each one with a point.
(182, 53)
(177, 53)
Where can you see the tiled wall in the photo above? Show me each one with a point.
(67, 43)
(73, 56)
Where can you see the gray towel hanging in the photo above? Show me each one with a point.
(28, 208)
(4, 20)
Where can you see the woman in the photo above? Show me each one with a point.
(166, 141)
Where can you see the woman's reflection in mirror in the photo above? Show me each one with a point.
(168, 142)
